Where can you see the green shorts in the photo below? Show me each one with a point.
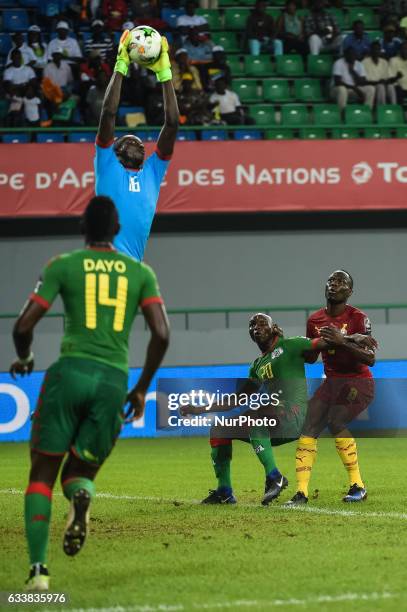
(80, 407)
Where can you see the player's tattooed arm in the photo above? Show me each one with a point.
(23, 337)
(110, 106)
(168, 134)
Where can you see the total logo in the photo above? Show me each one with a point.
(390, 172)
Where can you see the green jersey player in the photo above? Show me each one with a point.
(80, 408)
(280, 370)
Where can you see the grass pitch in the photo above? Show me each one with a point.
(152, 549)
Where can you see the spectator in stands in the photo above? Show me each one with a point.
(183, 66)
(38, 47)
(93, 65)
(260, 32)
(218, 66)
(398, 71)
(191, 20)
(99, 40)
(49, 10)
(392, 11)
(390, 42)
(155, 105)
(114, 13)
(290, 29)
(59, 72)
(17, 76)
(193, 104)
(14, 116)
(94, 98)
(227, 103)
(31, 107)
(71, 51)
(403, 23)
(198, 49)
(378, 74)
(321, 30)
(27, 53)
(358, 40)
(349, 81)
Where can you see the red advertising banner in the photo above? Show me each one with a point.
(57, 179)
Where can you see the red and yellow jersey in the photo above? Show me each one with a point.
(338, 362)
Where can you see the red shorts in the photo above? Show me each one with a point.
(353, 393)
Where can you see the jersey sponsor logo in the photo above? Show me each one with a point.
(104, 265)
(277, 352)
(259, 449)
(134, 184)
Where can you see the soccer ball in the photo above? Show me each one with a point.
(145, 45)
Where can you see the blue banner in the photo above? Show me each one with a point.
(18, 398)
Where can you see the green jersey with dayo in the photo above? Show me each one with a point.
(101, 290)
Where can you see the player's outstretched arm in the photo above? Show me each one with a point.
(333, 337)
(111, 100)
(23, 337)
(157, 321)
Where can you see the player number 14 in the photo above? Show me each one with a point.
(97, 292)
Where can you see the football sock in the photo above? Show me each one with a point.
(71, 485)
(348, 453)
(221, 459)
(304, 460)
(262, 447)
(37, 512)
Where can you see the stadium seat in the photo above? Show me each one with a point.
(358, 114)
(148, 136)
(247, 135)
(401, 132)
(5, 43)
(246, 90)
(276, 90)
(274, 12)
(15, 138)
(308, 90)
(319, 65)
(258, 66)
(43, 137)
(279, 133)
(339, 16)
(29, 4)
(8, 4)
(187, 136)
(15, 20)
(263, 114)
(372, 2)
(228, 40)
(289, 65)
(369, 18)
(377, 132)
(214, 135)
(236, 66)
(125, 110)
(389, 114)
(294, 115)
(81, 137)
(312, 133)
(327, 115)
(235, 18)
(170, 16)
(213, 18)
(223, 3)
(345, 133)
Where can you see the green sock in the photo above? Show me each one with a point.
(262, 447)
(221, 458)
(37, 512)
(71, 485)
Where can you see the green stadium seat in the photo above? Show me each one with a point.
(258, 66)
(312, 133)
(235, 18)
(320, 65)
(340, 17)
(263, 114)
(247, 91)
(294, 115)
(276, 90)
(352, 3)
(290, 65)
(279, 133)
(358, 114)
(369, 18)
(274, 12)
(377, 132)
(236, 66)
(308, 90)
(389, 114)
(345, 133)
(327, 115)
(372, 2)
(223, 3)
(213, 18)
(245, 3)
(303, 12)
(228, 40)
(401, 132)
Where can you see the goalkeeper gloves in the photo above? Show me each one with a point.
(122, 59)
(162, 67)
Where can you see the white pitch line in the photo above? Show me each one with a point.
(244, 603)
(401, 516)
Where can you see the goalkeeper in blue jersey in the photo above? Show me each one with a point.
(121, 171)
